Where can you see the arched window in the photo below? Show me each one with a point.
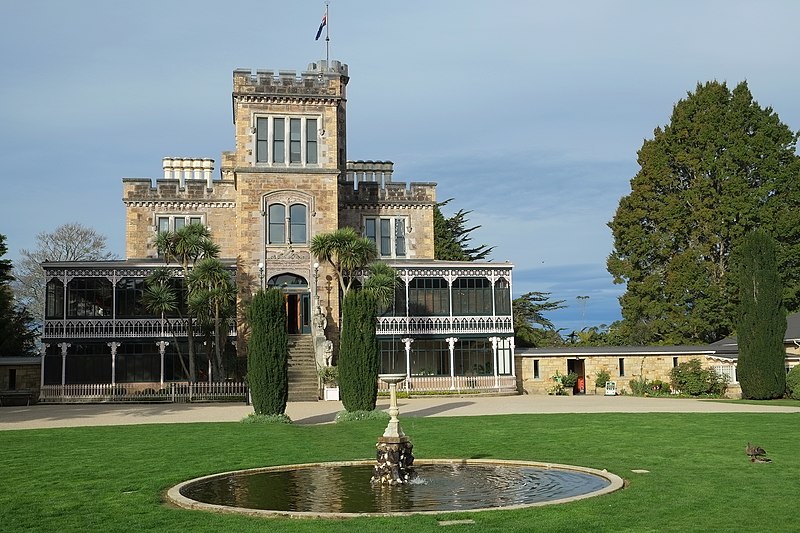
(278, 223)
(297, 223)
(287, 280)
(502, 297)
(54, 307)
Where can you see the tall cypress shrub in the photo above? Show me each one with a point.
(358, 352)
(268, 353)
(761, 319)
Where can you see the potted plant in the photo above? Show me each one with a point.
(328, 375)
(565, 383)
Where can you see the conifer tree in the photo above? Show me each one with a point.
(723, 166)
(268, 353)
(451, 237)
(761, 320)
(358, 360)
(17, 330)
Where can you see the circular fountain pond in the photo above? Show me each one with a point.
(344, 489)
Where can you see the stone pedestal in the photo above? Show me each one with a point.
(394, 460)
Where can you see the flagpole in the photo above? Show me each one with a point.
(327, 37)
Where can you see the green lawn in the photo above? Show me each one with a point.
(113, 478)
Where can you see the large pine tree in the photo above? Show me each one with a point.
(761, 319)
(451, 237)
(723, 166)
(268, 353)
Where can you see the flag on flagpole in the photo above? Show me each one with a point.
(322, 25)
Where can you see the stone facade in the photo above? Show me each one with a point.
(286, 181)
(535, 371)
(20, 380)
(234, 205)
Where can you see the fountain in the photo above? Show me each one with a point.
(393, 484)
(394, 449)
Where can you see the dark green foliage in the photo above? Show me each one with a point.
(793, 383)
(692, 379)
(531, 327)
(17, 329)
(268, 353)
(358, 352)
(601, 378)
(721, 167)
(451, 237)
(761, 320)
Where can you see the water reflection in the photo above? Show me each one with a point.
(347, 489)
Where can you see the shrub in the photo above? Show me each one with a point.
(639, 386)
(329, 376)
(268, 353)
(253, 418)
(692, 379)
(601, 378)
(358, 352)
(355, 416)
(570, 380)
(793, 383)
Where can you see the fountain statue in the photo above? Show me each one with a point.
(395, 461)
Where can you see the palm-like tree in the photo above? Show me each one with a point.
(212, 295)
(186, 246)
(160, 298)
(346, 251)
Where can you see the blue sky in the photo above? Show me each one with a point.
(527, 113)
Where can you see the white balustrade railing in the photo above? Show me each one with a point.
(175, 392)
(106, 328)
(454, 384)
(416, 325)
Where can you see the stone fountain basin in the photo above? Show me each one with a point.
(325, 484)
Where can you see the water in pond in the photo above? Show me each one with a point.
(438, 487)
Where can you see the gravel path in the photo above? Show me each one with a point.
(52, 416)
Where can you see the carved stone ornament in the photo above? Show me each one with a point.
(287, 255)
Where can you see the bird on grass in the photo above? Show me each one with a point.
(757, 454)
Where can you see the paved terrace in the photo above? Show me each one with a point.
(54, 416)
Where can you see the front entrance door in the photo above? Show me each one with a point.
(298, 313)
(578, 366)
(297, 301)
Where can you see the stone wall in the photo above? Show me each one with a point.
(374, 199)
(651, 367)
(28, 377)
(144, 202)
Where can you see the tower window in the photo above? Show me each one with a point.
(278, 224)
(279, 140)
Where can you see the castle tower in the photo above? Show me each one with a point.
(290, 154)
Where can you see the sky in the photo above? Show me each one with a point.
(528, 114)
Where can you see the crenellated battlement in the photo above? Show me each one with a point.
(320, 80)
(140, 191)
(371, 182)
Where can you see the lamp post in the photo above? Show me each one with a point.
(316, 280)
(261, 275)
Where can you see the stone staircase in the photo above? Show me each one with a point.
(303, 380)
